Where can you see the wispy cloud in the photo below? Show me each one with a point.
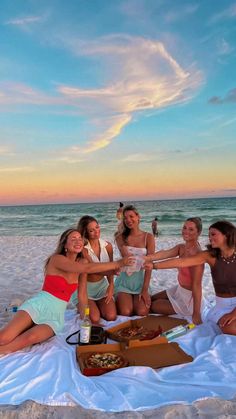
(181, 13)
(143, 76)
(224, 47)
(20, 169)
(138, 157)
(24, 21)
(229, 98)
(6, 151)
(227, 123)
(229, 13)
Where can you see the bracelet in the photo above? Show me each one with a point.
(155, 265)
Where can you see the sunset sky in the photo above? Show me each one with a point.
(107, 100)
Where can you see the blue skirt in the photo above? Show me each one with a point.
(44, 308)
(130, 284)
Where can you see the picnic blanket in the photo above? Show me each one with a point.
(48, 373)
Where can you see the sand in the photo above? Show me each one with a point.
(22, 260)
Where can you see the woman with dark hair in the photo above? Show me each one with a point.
(185, 298)
(100, 287)
(221, 257)
(42, 316)
(131, 289)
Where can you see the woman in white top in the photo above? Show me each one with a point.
(131, 290)
(100, 288)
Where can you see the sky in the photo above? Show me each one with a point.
(105, 100)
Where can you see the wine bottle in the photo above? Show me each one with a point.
(85, 328)
(178, 331)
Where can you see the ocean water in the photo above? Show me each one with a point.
(50, 220)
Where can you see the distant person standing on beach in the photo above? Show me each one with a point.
(42, 316)
(221, 257)
(100, 286)
(154, 227)
(185, 298)
(119, 216)
(131, 290)
(119, 212)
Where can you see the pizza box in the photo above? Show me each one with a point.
(150, 322)
(152, 355)
(83, 351)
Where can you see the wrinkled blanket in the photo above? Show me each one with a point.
(49, 374)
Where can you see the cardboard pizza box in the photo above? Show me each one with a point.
(82, 352)
(153, 355)
(150, 322)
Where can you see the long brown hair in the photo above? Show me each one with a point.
(126, 230)
(83, 223)
(229, 231)
(61, 245)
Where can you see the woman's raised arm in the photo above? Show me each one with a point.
(61, 262)
(198, 259)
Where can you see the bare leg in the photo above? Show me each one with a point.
(140, 308)
(159, 295)
(229, 329)
(36, 334)
(161, 304)
(124, 303)
(108, 311)
(18, 324)
(94, 312)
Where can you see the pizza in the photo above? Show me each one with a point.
(106, 360)
(130, 332)
(137, 332)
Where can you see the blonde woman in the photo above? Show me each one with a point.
(132, 296)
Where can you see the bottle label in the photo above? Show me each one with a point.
(85, 334)
(177, 329)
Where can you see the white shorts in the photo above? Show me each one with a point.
(222, 306)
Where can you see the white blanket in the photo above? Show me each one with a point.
(48, 374)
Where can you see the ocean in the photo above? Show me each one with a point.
(53, 219)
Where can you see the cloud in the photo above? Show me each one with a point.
(138, 157)
(141, 76)
(5, 151)
(229, 122)
(180, 14)
(12, 93)
(229, 98)
(224, 48)
(24, 21)
(229, 13)
(17, 169)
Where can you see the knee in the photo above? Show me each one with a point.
(4, 338)
(110, 317)
(154, 307)
(142, 311)
(125, 311)
(95, 318)
(229, 329)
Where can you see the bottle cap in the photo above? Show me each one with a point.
(86, 311)
(191, 326)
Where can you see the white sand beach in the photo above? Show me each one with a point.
(21, 275)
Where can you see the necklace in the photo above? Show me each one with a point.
(188, 250)
(230, 259)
